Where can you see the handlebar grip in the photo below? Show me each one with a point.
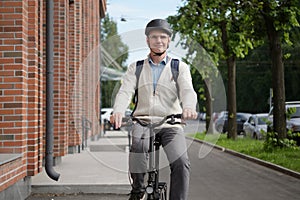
(178, 116)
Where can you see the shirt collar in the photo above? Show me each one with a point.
(163, 62)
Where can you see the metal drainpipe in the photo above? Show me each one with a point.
(49, 92)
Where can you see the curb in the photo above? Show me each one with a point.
(84, 189)
(252, 159)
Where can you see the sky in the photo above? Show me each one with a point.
(137, 14)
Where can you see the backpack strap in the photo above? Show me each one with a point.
(138, 70)
(175, 72)
(175, 69)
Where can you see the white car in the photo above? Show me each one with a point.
(105, 114)
(256, 125)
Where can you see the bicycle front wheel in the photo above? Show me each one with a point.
(163, 191)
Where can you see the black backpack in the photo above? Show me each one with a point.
(138, 70)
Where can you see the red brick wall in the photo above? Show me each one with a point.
(91, 64)
(14, 88)
(75, 79)
(41, 81)
(61, 71)
(22, 80)
(34, 91)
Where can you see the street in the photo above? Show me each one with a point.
(222, 176)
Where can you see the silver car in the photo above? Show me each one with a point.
(221, 124)
(256, 125)
(293, 116)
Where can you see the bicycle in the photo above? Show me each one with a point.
(156, 190)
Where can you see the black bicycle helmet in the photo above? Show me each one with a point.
(158, 24)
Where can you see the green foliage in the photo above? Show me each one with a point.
(203, 21)
(272, 141)
(254, 79)
(290, 111)
(220, 27)
(112, 45)
(232, 29)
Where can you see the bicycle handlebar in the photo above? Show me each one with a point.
(156, 124)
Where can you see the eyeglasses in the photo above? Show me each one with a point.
(156, 37)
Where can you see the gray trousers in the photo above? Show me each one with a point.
(174, 145)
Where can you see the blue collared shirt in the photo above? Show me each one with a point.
(157, 69)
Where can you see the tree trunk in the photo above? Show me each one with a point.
(231, 93)
(279, 112)
(208, 106)
(231, 98)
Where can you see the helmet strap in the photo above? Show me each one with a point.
(157, 54)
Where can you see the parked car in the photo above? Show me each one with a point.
(202, 116)
(293, 116)
(256, 125)
(221, 124)
(105, 114)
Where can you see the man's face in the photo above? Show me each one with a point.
(158, 41)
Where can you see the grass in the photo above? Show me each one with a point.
(288, 158)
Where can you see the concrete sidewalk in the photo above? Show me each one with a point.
(100, 168)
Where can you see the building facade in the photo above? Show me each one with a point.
(23, 74)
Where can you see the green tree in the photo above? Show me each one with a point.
(254, 81)
(222, 29)
(114, 54)
(112, 45)
(275, 18)
(254, 77)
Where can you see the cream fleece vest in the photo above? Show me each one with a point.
(164, 100)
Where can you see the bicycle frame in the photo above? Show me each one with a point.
(155, 189)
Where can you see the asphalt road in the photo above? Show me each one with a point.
(219, 175)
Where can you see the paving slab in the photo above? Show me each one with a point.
(100, 168)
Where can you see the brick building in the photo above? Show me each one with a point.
(23, 85)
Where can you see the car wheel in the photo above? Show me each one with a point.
(255, 136)
(220, 128)
(242, 133)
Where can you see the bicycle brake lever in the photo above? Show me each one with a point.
(172, 120)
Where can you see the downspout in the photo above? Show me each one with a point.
(49, 92)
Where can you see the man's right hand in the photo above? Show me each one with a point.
(117, 119)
